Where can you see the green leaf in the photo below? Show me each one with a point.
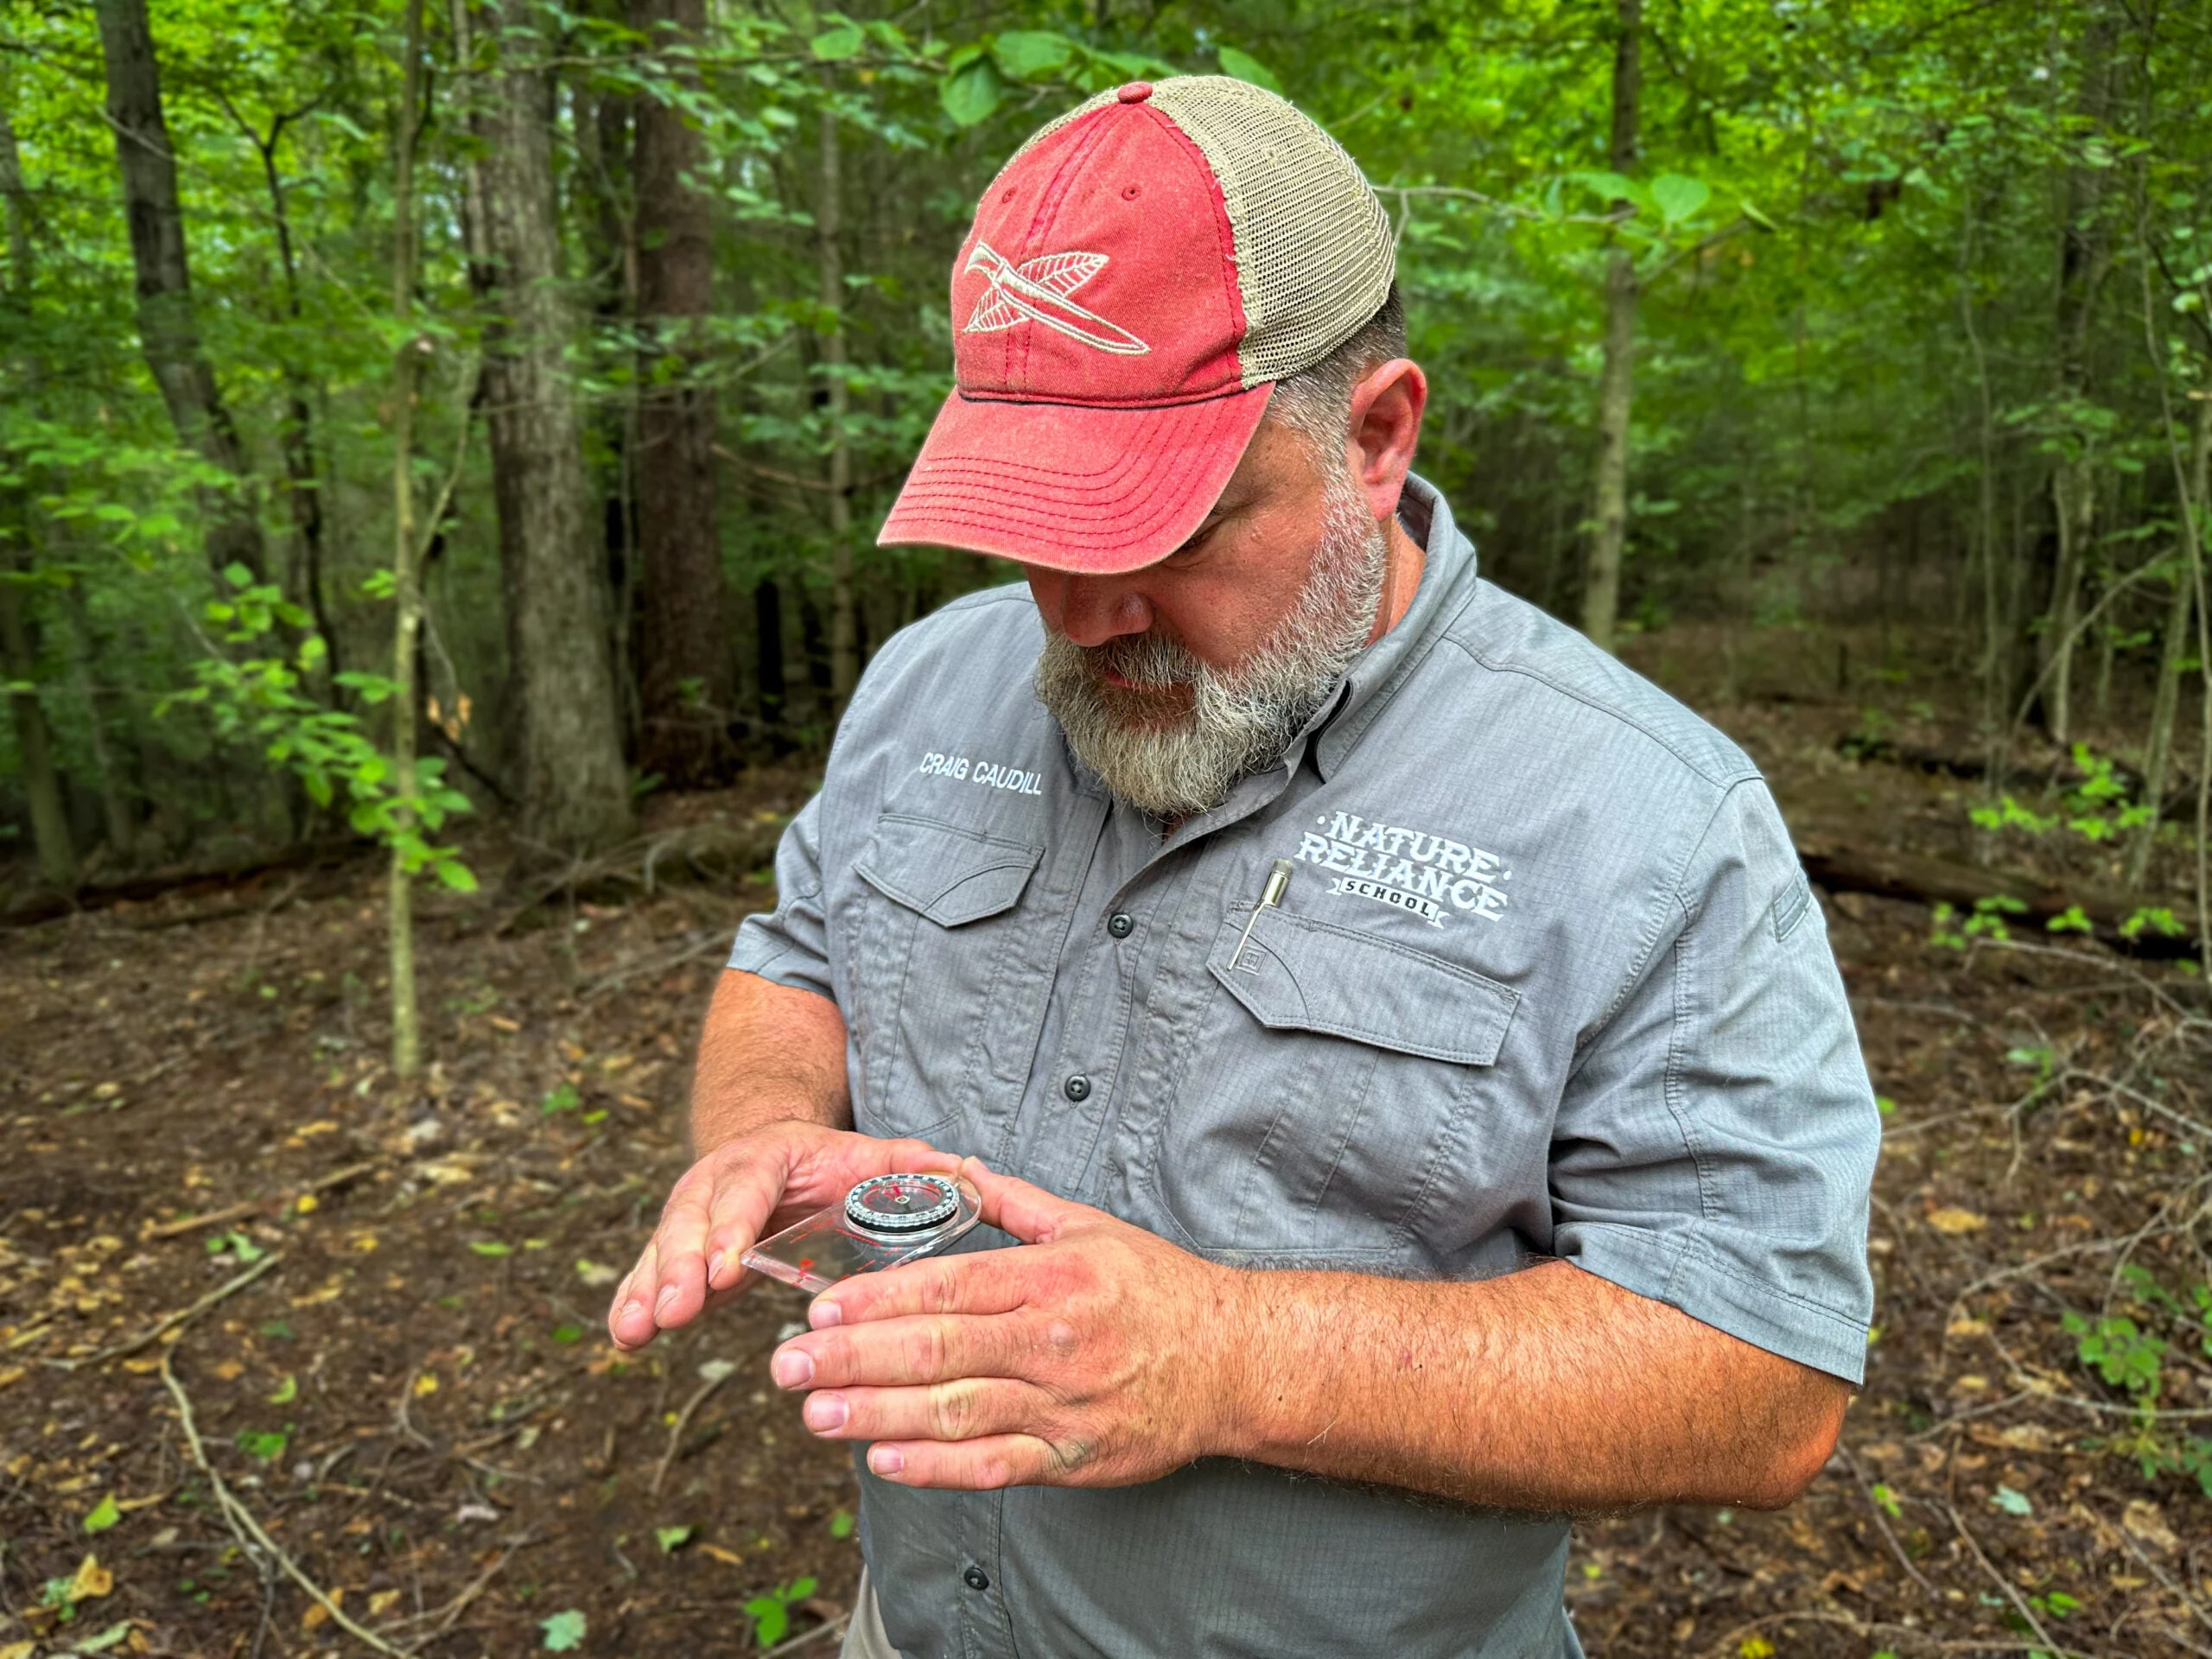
(841, 1524)
(105, 1515)
(1886, 1500)
(2011, 1503)
(263, 1446)
(567, 1333)
(836, 45)
(1244, 66)
(971, 94)
(1679, 197)
(236, 574)
(112, 1636)
(1613, 187)
(672, 1539)
(1021, 54)
(456, 875)
(287, 1391)
(564, 1631)
(770, 1620)
(490, 1247)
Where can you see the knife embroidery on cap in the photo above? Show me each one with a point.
(1037, 290)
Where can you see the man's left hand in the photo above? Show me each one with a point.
(1100, 1355)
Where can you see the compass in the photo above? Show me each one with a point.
(900, 1204)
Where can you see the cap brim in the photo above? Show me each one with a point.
(1094, 491)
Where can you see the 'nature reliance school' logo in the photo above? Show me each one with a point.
(1433, 877)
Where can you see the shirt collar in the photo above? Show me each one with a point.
(1447, 578)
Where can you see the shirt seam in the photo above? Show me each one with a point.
(1689, 1252)
(1723, 780)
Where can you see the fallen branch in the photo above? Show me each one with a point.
(2043, 1637)
(249, 1531)
(246, 1207)
(183, 1316)
(1882, 1523)
(1892, 875)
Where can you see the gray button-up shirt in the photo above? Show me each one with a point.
(1547, 981)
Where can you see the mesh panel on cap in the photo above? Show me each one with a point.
(1314, 259)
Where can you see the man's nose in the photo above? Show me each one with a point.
(1094, 611)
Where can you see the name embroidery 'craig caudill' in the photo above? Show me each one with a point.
(1407, 870)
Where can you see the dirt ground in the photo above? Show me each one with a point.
(412, 1396)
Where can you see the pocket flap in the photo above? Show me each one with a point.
(1302, 974)
(951, 875)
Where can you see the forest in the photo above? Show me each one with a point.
(442, 447)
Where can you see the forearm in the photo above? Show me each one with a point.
(1546, 1389)
(766, 1054)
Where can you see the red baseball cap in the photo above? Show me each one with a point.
(1138, 278)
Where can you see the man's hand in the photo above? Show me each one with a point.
(742, 1191)
(1101, 1354)
(1093, 1356)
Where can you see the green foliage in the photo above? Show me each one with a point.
(2130, 1351)
(564, 1631)
(771, 1611)
(102, 1515)
(1948, 929)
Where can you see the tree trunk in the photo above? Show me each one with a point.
(57, 855)
(115, 799)
(687, 680)
(574, 792)
(844, 632)
(169, 329)
(2084, 257)
(406, 573)
(768, 626)
(1601, 588)
(2173, 647)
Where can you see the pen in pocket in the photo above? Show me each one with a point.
(1271, 895)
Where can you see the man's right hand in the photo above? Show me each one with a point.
(744, 1190)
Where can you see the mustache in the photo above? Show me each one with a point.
(1148, 661)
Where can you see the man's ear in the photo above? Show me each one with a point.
(1386, 410)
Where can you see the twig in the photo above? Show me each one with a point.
(241, 1522)
(2004, 1584)
(152, 1333)
(453, 1609)
(721, 1374)
(613, 978)
(1882, 1522)
(247, 1206)
(2180, 1592)
(818, 1631)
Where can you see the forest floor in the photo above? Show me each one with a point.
(414, 1399)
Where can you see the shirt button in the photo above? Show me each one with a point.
(1076, 1087)
(976, 1579)
(1120, 925)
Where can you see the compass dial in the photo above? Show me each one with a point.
(902, 1204)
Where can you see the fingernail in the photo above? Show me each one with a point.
(826, 1412)
(886, 1460)
(631, 1309)
(792, 1368)
(823, 1314)
(667, 1299)
(718, 1266)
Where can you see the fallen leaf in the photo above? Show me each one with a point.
(2143, 1519)
(308, 1204)
(92, 1580)
(10, 1377)
(564, 1631)
(1956, 1220)
(382, 1602)
(672, 1539)
(287, 1391)
(230, 1370)
(2011, 1502)
(426, 1384)
(727, 1557)
(18, 1650)
(104, 1513)
(1967, 1326)
(597, 1275)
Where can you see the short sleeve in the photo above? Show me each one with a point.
(1716, 1143)
(790, 944)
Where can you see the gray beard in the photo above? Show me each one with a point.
(1227, 723)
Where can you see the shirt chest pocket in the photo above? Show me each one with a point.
(1327, 1081)
(938, 933)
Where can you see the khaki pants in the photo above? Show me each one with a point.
(864, 1637)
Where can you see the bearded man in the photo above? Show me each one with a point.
(1409, 1090)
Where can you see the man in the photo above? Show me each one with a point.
(1510, 1158)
